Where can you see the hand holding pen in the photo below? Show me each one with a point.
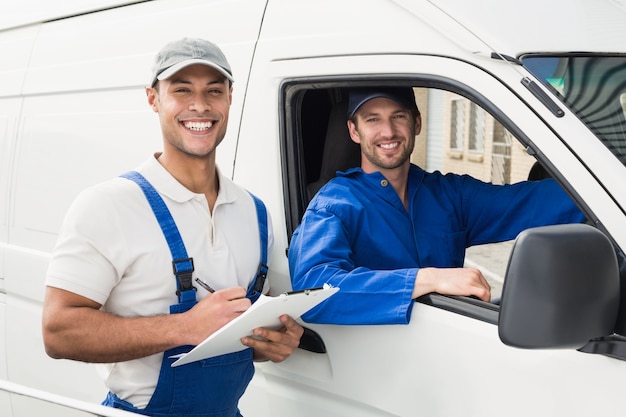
(212, 312)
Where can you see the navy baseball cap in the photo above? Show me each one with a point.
(402, 95)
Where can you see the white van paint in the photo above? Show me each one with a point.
(73, 113)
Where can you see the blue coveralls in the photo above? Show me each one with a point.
(357, 235)
(206, 388)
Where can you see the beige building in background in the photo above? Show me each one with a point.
(459, 136)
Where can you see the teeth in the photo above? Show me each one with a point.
(389, 145)
(197, 126)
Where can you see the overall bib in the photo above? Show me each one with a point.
(210, 387)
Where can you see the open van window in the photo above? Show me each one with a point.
(593, 86)
(458, 136)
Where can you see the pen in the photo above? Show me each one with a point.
(205, 285)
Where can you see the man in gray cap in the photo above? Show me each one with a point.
(389, 232)
(149, 264)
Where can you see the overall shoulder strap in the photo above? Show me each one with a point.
(182, 264)
(256, 288)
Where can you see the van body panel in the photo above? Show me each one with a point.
(18, 46)
(9, 117)
(79, 117)
(454, 381)
(9, 114)
(5, 399)
(327, 32)
(14, 13)
(73, 113)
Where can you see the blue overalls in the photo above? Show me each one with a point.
(207, 388)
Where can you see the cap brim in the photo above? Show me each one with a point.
(177, 67)
(355, 103)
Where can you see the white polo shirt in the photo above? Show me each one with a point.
(111, 250)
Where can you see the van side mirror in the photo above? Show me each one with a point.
(561, 288)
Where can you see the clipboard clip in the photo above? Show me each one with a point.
(307, 291)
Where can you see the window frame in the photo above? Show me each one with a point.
(291, 97)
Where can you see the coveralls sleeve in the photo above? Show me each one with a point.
(320, 253)
(497, 213)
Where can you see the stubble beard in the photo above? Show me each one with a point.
(385, 163)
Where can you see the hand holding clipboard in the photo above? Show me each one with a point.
(265, 312)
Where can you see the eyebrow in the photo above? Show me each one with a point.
(378, 114)
(186, 81)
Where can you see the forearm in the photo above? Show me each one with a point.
(452, 281)
(75, 328)
(90, 335)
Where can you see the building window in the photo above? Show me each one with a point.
(476, 141)
(458, 125)
(501, 155)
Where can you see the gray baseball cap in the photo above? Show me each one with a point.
(180, 54)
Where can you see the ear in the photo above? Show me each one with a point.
(418, 124)
(153, 98)
(354, 133)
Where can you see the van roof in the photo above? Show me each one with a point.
(509, 28)
(538, 25)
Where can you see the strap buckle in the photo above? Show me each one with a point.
(261, 276)
(183, 270)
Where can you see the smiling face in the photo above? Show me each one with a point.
(193, 107)
(386, 132)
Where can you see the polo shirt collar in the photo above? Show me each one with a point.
(167, 185)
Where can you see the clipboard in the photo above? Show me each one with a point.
(263, 313)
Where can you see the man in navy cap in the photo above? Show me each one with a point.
(150, 264)
(389, 232)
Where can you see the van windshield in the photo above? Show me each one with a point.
(593, 86)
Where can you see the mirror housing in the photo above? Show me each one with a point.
(561, 288)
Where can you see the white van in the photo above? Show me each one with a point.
(501, 85)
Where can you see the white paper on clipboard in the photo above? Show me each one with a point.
(263, 313)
